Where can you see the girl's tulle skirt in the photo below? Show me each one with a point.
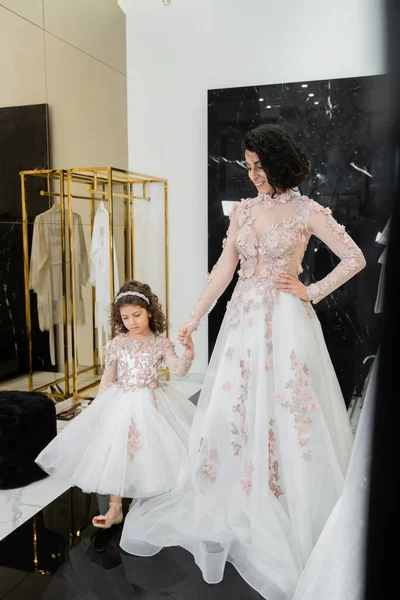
(127, 443)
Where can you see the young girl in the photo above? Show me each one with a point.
(131, 442)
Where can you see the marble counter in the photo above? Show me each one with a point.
(20, 504)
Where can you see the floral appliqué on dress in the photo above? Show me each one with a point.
(139, 362)
(134, 442)
(302, 402)
(273, 465)
(209, 469)
(351, 258)
(241, 408)
(247, 480)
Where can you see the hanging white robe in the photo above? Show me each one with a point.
(100, 274)
(45, 277)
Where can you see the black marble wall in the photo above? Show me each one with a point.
(24, 145)
(338, 126)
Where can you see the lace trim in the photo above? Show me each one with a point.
(183, 363)
(351, 261)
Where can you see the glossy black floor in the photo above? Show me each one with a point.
(97, 569)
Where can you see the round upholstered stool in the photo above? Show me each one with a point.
(27, 425)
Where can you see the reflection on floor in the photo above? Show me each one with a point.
(18, 585)
(96, 569)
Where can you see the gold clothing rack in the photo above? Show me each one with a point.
(102, 184)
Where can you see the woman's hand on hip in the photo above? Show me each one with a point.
(291, 285)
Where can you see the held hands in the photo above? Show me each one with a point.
(291, 285)
(185, 335)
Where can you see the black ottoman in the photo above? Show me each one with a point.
(27, 425)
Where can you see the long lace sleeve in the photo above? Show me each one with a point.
(321, 223)
(221, 274)
(110, 370)
(179, 366)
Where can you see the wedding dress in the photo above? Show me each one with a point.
(271, 438)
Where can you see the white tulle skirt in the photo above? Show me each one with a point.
(127, 443)
(268, 451)
(336, 568)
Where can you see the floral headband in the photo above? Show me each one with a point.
(138, 294)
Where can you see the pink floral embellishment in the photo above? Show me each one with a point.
(307, 456)
(134, 442)
(236, 448)
(273, 465)
(248, 306)
(155, 399)
(247, 480)
(241, 408)
(245, 371)
(268, 366)
(209, 467)
(227, 386)
(209, 471)
(271, 438)
(302, 401)
(229, 353)
(245, 437)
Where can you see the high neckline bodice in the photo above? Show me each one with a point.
(270, 201)
(137, 341)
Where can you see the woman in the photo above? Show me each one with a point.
(271, 437)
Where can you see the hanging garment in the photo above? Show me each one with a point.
(45, 277)
(100, 274)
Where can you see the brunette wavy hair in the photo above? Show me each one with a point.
(282, 160)
(158, 320)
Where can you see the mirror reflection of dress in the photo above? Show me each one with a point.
(336, 566)
(271, 439)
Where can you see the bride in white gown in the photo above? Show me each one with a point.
(271, 438)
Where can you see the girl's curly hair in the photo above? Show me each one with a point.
(281, 158)
(158, 320)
